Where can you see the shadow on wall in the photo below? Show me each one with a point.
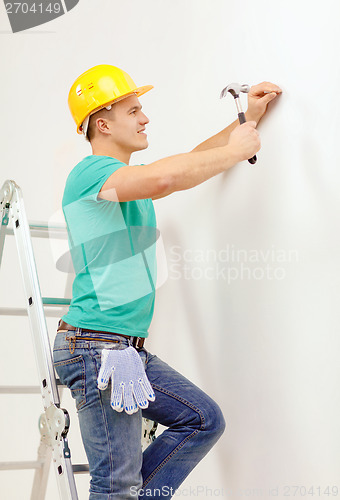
(199, 336)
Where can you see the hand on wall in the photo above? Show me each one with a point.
(258, 98)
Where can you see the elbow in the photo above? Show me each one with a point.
(165, 186)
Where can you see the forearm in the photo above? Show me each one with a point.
(187, 170)
(222, 138)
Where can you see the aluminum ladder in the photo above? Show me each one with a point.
(54, 423)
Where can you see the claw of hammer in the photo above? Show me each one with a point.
(234, 89)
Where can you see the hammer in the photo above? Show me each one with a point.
(235, 89)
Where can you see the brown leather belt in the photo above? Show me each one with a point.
(136, 342)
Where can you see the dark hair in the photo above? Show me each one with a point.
(90, 128)
(88, 136)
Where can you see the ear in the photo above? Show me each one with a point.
(102, 125)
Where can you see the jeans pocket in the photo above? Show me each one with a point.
(96, 348)
(71, 373)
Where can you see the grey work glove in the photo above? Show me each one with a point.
(130, 386)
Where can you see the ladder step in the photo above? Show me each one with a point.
(52, 301)
(44, 226)
(81, 469)
(16, 311)
(42, 230)
(21, 465)
(24, 389)
(47, 301)
(77, 469)
(20, 389)
(13, 311)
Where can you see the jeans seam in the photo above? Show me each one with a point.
(106, 427)
(146, 355)
(182, 443)
(84, 380)
(77, 359)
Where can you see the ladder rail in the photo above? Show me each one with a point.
(4, 222)
(33, 295)
(56, 420)
(5, 197)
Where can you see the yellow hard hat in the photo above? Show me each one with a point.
(97, 88)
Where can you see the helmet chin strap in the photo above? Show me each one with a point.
(85, 124)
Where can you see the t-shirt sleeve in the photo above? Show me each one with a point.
(90, 179)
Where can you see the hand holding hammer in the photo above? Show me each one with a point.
(235, 89)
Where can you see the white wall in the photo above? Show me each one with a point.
(265, 349)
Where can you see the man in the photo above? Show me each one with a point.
(112, 231)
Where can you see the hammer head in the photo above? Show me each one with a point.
(234, 89)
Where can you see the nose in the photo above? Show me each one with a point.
(144, 119)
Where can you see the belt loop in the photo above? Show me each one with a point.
(72, 340)
(72, 344)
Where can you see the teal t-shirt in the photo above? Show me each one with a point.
(113, 250)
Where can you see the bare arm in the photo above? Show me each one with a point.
(221, 138)
(163, 177)
(183, 171)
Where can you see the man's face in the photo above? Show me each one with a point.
(127, 125)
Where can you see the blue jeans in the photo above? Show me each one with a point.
(112, 441)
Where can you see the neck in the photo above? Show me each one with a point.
(111, 150)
